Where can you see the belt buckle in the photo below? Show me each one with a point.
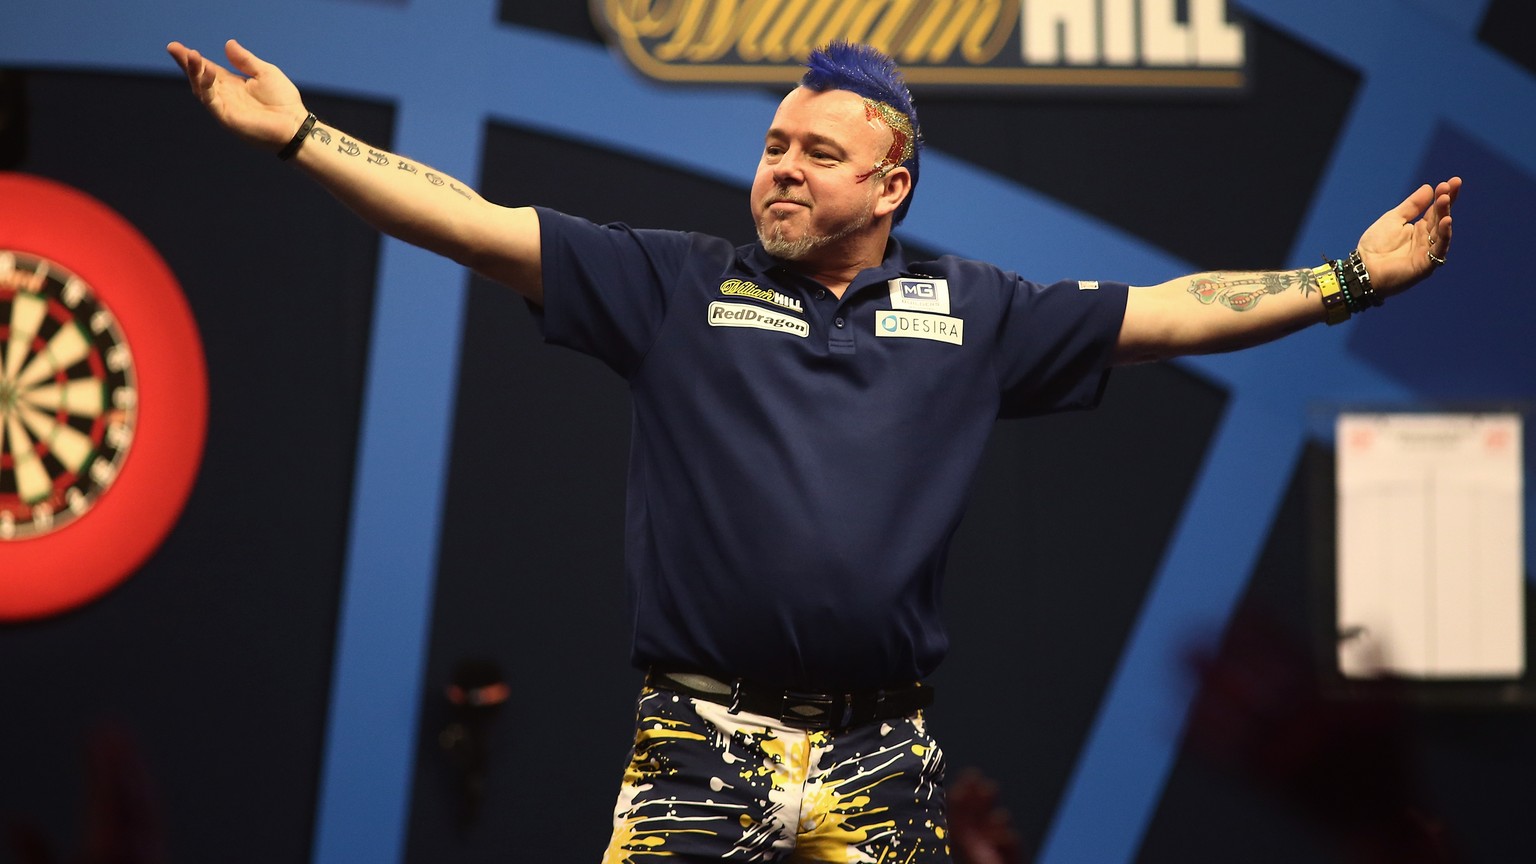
(821, 706)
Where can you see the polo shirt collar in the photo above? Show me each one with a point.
(755, 258)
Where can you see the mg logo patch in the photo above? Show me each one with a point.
(920, 295)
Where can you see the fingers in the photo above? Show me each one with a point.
(1426, 216)
(1445, 194)
(198, 67)
(242, 59)
(1437, 221)
(1415, 204)
(199, 71)
(183, 56)
(1440, 235)
(1451, 187)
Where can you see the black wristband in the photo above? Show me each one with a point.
(298, 138)
(1360, 281)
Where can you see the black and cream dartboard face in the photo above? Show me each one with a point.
(68, 401)
(103, 398)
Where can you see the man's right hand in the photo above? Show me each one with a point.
(260, 105)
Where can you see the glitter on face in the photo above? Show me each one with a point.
(902, 137)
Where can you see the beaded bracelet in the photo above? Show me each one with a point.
(1350, 301)
(298, 138)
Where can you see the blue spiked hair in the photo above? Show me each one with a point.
(867, 72)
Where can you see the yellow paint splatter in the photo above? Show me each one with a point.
(670, 733)
(838, 820)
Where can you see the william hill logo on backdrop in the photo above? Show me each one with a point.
(1113, 44)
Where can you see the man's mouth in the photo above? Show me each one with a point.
(782, 195)
(783, 204)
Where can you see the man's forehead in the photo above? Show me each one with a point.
(828, 99)
(828, 113)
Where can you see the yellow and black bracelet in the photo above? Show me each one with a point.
(1335, 302)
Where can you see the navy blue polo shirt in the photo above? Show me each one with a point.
(799, 462)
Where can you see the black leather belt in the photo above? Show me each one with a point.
(794, 708)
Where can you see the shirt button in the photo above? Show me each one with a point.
(838, 321)
(821, 293)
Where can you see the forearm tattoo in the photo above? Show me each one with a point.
(348, 147)
(1243, 291)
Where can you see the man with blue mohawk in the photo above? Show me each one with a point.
(808, 413)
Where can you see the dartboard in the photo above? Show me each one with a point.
(67, 396)
(103, 398)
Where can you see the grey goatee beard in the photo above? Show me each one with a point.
(776, 244)
(770, 232)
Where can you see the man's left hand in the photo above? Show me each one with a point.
(1408, 242)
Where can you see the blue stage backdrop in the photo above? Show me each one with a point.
(399, 476)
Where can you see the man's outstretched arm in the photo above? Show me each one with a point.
(398, 196)
(1224, 311)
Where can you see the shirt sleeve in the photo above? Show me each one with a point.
(606, 287)
(1055, 345)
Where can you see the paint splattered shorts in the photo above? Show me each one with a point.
(704, 784)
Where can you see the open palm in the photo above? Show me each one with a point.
(1409, 241)
(260, 104)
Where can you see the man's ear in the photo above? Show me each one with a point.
(898, 185)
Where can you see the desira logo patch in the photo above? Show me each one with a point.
(898, 324)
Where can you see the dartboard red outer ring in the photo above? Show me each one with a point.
(84, 559)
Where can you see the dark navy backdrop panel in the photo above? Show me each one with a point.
(1072, 514)
(1479, 330)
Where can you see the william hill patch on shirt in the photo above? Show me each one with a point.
(744, 288)
(899, 324)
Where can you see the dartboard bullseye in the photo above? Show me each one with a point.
(103, 398)
(68, 401)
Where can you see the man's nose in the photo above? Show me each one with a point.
(788, 170)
